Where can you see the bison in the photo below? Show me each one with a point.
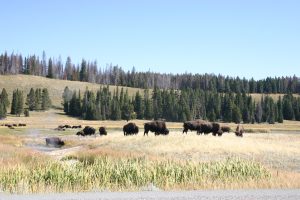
(130, 129)
(158, 127)
(205, 128)
(102, 131)
(80, 133)
(225, 129)
(216, 129)
(88, 130)
(239, 131)
(192, 125)
(54, 141)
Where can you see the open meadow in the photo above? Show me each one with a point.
(268, 156)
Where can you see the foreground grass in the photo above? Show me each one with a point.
(124, 174)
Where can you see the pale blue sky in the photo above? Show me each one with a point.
(248, 38)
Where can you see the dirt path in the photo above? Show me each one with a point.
(178, 195)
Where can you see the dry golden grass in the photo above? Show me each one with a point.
(278, 149)
(54, 86)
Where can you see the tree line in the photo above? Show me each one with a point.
(88, 71)
(37, 100)
(175, 105)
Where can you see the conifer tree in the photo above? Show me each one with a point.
(50, 69)
(30, 100)
(236, 114)
(46, 102)
(148, 109)
(20, 103)
(14, 103)
(279, 109)
(4, 98)
(38, 99)
(138, 105)
(2, 109)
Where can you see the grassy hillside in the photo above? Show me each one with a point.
(55, 86)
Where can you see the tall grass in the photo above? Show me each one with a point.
(124, 174)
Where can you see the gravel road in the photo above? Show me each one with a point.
(178, 195)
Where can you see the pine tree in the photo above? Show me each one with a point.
(148, 109)
(138, 105)
(287, 108)
(227, 108)
(4, 98)
(279, 109)
(14, 103)
(236, 114)
(46, 102)
(2, 109)
(20, 103)
(271, 117)
(30, 100)
(258, 113)
(50, 69)
(38, 99)
(83, 71)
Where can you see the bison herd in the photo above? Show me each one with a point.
(159, 127)
(11, 126)
(205, 127)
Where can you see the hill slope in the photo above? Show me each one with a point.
(54, 86)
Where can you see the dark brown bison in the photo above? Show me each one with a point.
(79, 126)
(216, 129)
(130, 129)
(89, 130)
(80, 133)
(158, 127)
(54, 141)
(205, 128)
(239, 131)
(21, 124)
(67, 126)
(102, 131)
(192, 125)
(225, 129)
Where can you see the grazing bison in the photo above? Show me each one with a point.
(21, 124)
(89, 130)
(205, 128)
(80, 133)
(192, 126)
(225, 129)
(60, 128)
(79, 126)
(130, 129)
(67, 126)
(54, 141)
(239, 131)
(102, 131)
(158, 127)
(216, 129)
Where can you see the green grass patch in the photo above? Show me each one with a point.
(123, 174)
